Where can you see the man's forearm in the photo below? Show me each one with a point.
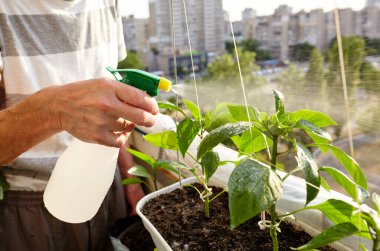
(26, 124)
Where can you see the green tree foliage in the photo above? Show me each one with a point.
(132, 60)
(372, 46)
(225, 68)
(353, 53)
(370, 77)
(315, 73)
(251, 45)
(302, 52)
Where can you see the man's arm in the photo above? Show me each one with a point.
(90, 110)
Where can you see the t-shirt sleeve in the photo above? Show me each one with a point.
(120, 34)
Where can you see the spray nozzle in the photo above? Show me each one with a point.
(142, 80)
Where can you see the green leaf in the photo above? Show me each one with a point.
(131, 181)
(376, 202)
(318, 119)
(253, 141)
(281, 114)
(317, 134)
(330, 235)
(139, 171)
(170, 106)
(339, 211)
(4, 185)
(239, 113)
(193, 108)
(358, 193)
(210, 162)
(172, 166)
(219, 116)
(350, 165)
(278, 97)
(362, 247)
(325, 185)
(187, 130)
(253, 187)
(166, 139)
(143, 156)
(307, 163)
(220, 135)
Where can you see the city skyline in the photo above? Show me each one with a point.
(140, 8)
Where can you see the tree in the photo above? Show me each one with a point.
(302, 52)
(353, 53)
(372, 46)
(225, 67)
(315, 73)
(250, 45)
(370, 77)
(131, 61)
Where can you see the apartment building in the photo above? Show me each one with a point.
(205, 23)
(283, 30)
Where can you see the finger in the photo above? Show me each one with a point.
(136, 98)
(122, 125)
(113, 139)
(133, 114)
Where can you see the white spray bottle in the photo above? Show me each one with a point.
(84, 172)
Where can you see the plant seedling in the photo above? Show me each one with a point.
(187, 130)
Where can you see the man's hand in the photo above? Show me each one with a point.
(94, 110)
(100, 110)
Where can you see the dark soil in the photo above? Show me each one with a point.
(179, 217)
(137, 238)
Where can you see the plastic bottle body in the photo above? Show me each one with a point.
(80, 181)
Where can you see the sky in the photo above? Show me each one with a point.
(139, 8)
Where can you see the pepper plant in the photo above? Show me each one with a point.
(181, 139)
(256, 185)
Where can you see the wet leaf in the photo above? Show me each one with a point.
(358, 193)
(318, 135)
(219, 116)
(187, 130)
(193, 108)
(252, 188)
(330, 235)
(210, 162)
(307, 163)
(252, 141)
(220, 135)
(281, 114)
(166, 139)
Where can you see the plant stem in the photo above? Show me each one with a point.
(273, 215)
(207, 206)
(155, 178)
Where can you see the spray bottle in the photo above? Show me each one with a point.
(84, 172)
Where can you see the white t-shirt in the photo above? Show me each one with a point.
(53, 42)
